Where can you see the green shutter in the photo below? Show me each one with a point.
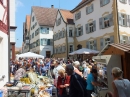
(95, 44)
(101, 43)
(92, 6)
(87, 29)
(81, 30)
(101, 3)
(101, 25)
(94, 25)
(88, 45)
(112, 39)
(119, 19)
(86, 10)
(111, 19)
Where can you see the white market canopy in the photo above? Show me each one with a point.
(30, 54)
(84, 51)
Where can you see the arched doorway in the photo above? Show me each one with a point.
(79, 46)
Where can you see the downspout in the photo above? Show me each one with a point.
(118, 32)
(8, 23)
(66, 42)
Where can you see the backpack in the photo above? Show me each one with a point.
(82, 82)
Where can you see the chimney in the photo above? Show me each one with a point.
(52, 6)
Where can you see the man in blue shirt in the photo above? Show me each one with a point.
(91, 82)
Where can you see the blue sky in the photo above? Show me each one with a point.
(23, 8)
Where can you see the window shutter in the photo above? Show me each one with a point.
(79, 14)
(126, 1)
(128, 20)
(76, 16)
(101, 43)
(51, 41)
(101, 3)
(88, 45)
(125, 20)
(41, 41)
(129, 40)
(112, 39)
(121, 39)
(81, 30)
(75, 31)
(95, 44)
(87, 29)
(86, 10)
(94, 25)
(111, 19)
(101, 23)
(119, 16)
(92, 7)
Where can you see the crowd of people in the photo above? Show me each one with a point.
(71, 78)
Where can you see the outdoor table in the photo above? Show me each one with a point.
(22, 90)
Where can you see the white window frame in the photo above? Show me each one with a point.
(70, 33)
(90, 9)
(125, 38)
(107, 40)
(91, 43)
(123, 19)
(79, 30)
(71, 48)
(106, 19)
(44, 30)
(91, 29)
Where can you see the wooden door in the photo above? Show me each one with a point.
(48, 54)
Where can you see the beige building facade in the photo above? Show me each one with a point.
(98, 23)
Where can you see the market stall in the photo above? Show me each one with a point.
(29, 55)
(105, 63)
(124, 51)
(31, 85)
(83, 54)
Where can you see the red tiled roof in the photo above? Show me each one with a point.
(28, 22)
(45, 16)
(67, 16)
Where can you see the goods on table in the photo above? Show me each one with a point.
(25, 80)
(32, 76)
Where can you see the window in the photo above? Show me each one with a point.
(89, 9)
(77, 15)
(107, 41)
(79, 31)
(32, 35)
(37, 42)
(70, 33)
(106, 22)
(71, 48)
(123, 19)
(33, 18)
(125, 39)
(46, 41)
(92, 45)
(91, 27)
(37, 32)
(58, 22)
(44, 30)
(104, 2)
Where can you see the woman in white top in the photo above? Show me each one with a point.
(121, 86)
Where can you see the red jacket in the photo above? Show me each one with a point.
(59, 82)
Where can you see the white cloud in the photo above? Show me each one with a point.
(18, 4)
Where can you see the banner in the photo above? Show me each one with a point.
(4, 16)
